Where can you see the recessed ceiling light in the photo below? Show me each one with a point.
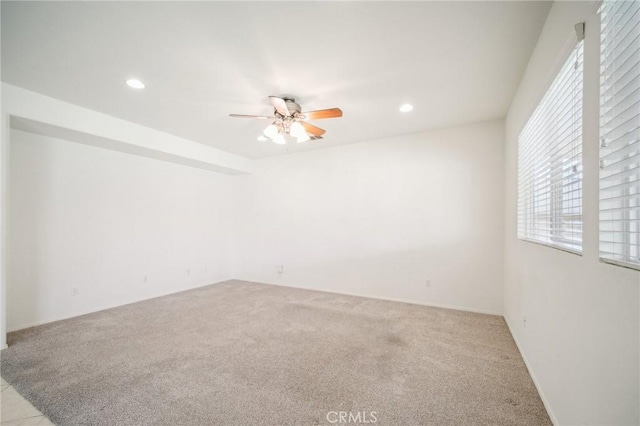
(135, 83)
(262, 138)
(406, 108)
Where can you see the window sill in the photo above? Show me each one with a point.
(542, 243)
(620, 263)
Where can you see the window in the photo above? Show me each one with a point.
(550, 162)
(620, 133)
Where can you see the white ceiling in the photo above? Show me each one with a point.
(456, 62)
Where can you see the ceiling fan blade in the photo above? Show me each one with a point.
(312, 130)
(323, 113)
(280, 105)
(262, 117)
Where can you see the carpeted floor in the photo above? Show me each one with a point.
(248, 354)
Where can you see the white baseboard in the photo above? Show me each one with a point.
(544, 399)
(101, 308)
(370, 296)
(390, 299)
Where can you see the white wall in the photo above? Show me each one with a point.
(101, 221)
(381, 218)
(581, 337)
(45, 115)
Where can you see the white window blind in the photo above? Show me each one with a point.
(550, 162)
(620, 132)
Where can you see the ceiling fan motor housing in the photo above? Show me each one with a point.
(292, 106)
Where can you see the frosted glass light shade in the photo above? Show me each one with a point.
(271, 131)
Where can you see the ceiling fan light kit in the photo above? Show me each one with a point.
(289, 120)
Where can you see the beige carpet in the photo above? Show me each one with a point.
(248, 354)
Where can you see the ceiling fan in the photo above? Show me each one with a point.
(288, 119)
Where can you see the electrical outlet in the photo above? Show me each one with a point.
(280, 269)
(75, 291)
(145, 279)
(188, 271)
(428, 283)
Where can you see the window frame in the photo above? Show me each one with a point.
(526, 203)
(630, 232)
